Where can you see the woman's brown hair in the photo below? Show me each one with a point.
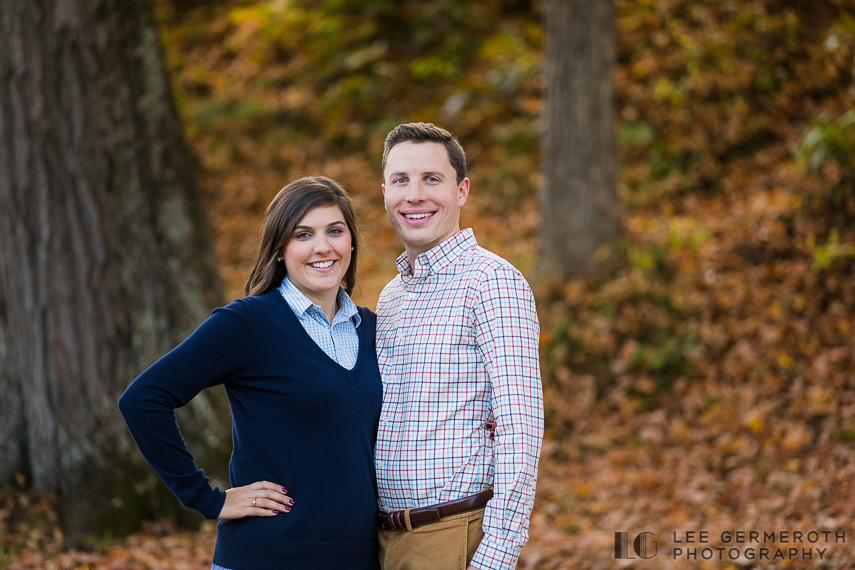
(283, 214)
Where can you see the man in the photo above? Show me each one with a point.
(457, 343)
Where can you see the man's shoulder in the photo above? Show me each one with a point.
(482, 264)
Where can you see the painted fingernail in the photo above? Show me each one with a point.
(284, 490)
(287, 509)
(275, 512)
(290, 501)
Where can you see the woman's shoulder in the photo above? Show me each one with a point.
(250, 307)
(255, 302)
(366, 313)
(368, 316)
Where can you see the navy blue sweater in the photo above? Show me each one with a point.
(299, 419)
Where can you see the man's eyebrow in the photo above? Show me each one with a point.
(336, 223)
(427, 173)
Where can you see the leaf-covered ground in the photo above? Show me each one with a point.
(708, 387)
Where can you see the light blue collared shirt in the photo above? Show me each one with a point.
(339, 340)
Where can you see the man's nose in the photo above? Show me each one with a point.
(416, 192)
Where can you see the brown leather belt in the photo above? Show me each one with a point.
(426, 515)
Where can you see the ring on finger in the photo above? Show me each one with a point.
(253, 502)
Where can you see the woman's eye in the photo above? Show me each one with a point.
(336, 231)
(302, 235)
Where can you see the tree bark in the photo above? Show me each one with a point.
(106, 257)
(581, 227)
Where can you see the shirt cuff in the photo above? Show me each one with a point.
(210, 503)
(493, 556)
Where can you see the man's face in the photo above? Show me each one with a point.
(422, 196)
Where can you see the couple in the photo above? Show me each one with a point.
(446, 445)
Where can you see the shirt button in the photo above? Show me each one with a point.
(380, 463)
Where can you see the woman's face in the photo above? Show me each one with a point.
(318, 253)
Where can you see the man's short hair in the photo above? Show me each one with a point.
(427, 132)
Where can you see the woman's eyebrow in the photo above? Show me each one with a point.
(337, 222)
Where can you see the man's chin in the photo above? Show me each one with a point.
(415, 237)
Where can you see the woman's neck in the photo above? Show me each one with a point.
(327, 301)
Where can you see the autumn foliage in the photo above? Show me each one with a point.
(710, 385)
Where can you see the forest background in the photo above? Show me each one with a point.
(710, 385)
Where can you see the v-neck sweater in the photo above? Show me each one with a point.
(299, 419)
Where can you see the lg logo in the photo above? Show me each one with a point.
(640, 546)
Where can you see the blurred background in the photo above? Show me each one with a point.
(698, 328)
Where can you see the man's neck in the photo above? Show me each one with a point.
(414, 251)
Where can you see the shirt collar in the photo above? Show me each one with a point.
(439, 256)
(301, 304)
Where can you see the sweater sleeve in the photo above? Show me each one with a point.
(213, 354)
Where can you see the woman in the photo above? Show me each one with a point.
(297, 360)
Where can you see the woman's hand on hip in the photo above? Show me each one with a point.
(261, 499)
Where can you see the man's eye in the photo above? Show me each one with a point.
(432, 179)
(399, 181)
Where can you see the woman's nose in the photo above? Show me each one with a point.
(322, 245)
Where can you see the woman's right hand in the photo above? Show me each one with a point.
(261, 499)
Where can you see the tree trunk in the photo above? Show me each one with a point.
(581, 228)
(106, 257)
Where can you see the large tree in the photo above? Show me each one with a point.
(581, 228)
(106, 257)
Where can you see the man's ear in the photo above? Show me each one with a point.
(462, 192)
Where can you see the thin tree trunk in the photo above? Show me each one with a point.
(106, 259)
(581, 229)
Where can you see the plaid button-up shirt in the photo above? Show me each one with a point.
(457, 344)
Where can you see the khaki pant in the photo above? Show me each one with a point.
(448, 544)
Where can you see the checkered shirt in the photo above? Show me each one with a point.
(457, 345)
(339, 340)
